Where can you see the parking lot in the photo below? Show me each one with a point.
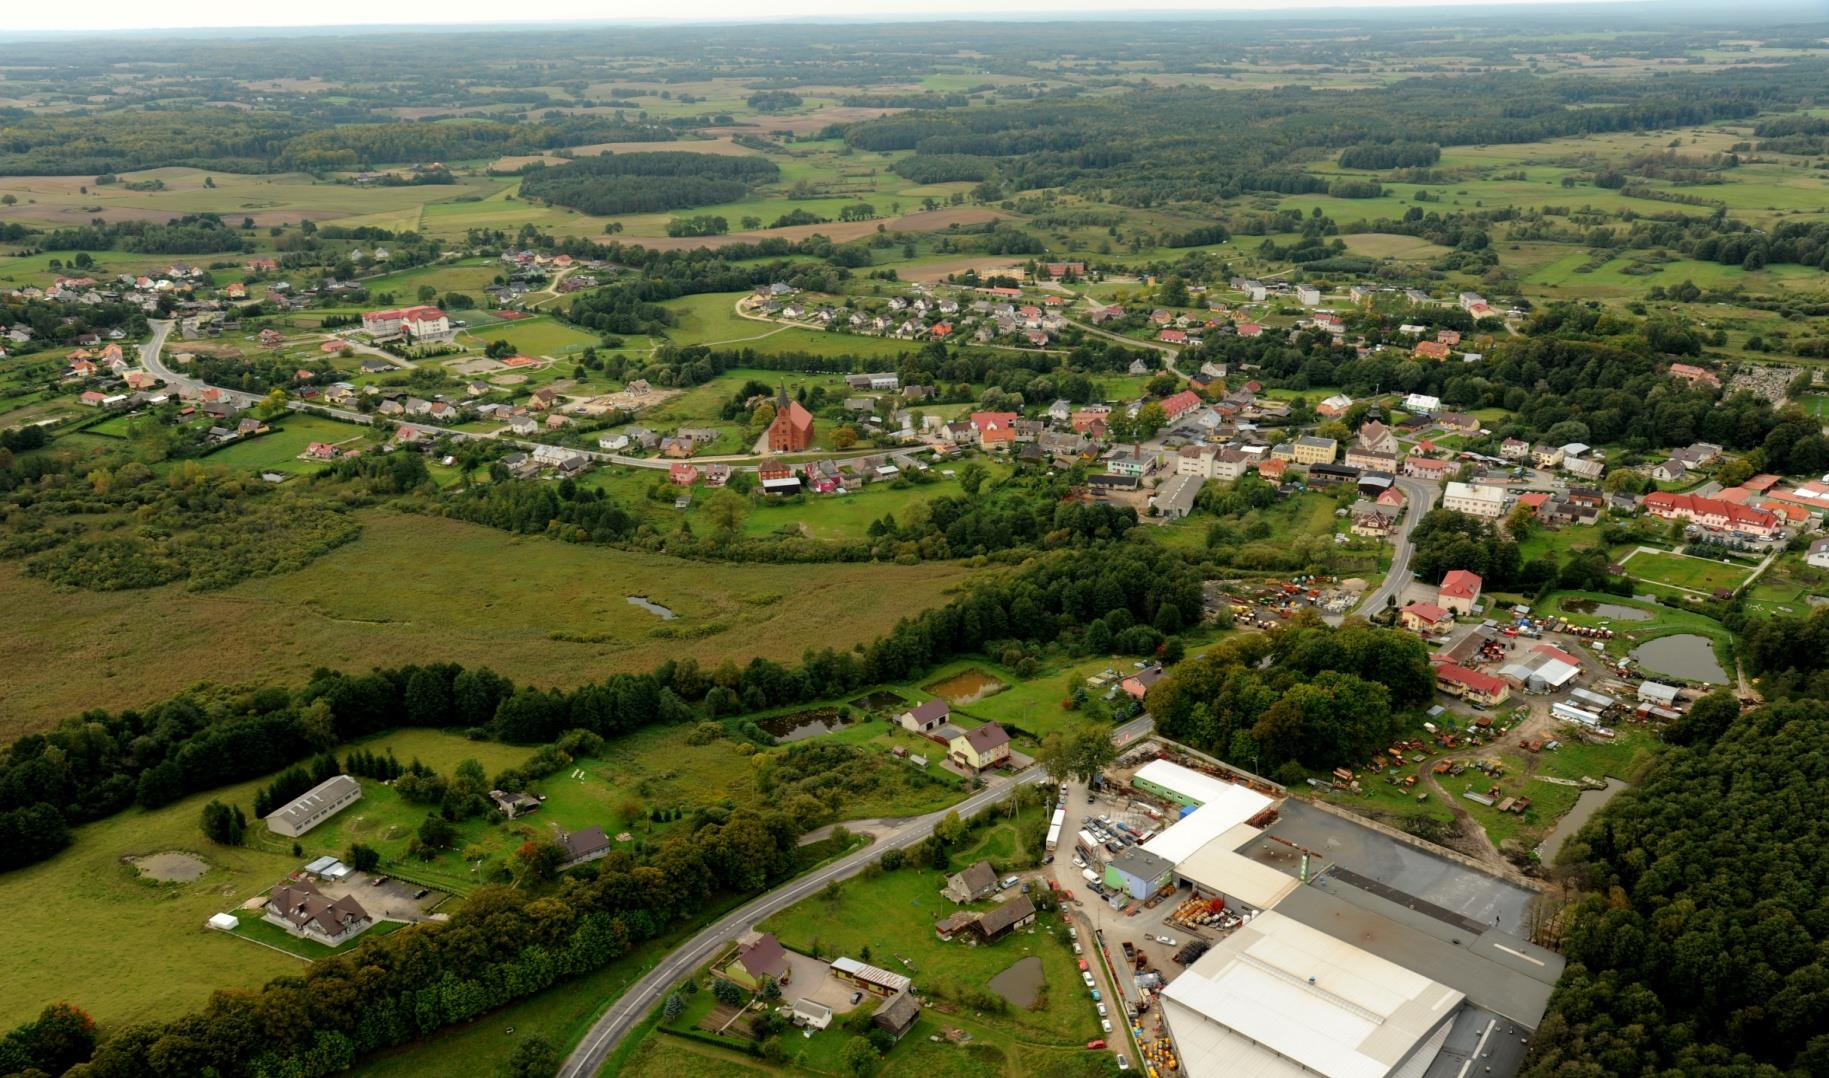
(394, 900)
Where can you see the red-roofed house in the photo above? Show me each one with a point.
(1424, 617)
(996, 430)
(1471, 684)
(1459, 591)
(682, 474)
(1180, 404)
(1272, 469)
(1092, 423)
(1430, 350)
(1173, 336)
(1533, 500)
(1250, 329)
(1428, 467)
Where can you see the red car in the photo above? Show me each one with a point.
(1083, 966)
(1095, 1044)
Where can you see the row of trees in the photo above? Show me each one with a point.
(97, 764)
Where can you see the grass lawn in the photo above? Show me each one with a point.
(257, 929)
(1683, 571)
(278, 450)
(893, 914)
(536, 336)
(422, 588)
(76, 914)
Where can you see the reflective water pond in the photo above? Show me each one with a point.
(1020, 982)
(1684, 655)
(651, 607)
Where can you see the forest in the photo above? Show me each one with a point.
(1331, 696)
(1701, 946)
(612, 184)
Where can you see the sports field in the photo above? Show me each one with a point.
(1683, 571)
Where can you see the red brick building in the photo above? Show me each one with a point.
(792, 430)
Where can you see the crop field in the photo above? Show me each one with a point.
(470, 275)
(1683, 571)
(422, 588)
(75, 916)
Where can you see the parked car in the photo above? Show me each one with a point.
(1087, 977)
(1096, 996)
(1009, 881)
(1095, 1044)
(1105, 1024)
(1102, 1011)
(421, 893)
(856, 997)
(1123, 1061)
(1083, 966)
(1166, 941)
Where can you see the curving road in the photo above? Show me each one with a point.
(643, 995)
(1422, 497)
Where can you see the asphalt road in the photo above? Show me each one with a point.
(1422, 499)
(642, 996)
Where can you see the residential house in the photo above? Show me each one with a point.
(998, 922)
(1131, 461)
(303, 911)
(514, 804)
(1430, 350)
(1818, 555)
(715, 475)
(1424, 617)
(1307, 449)
(985, 747)
(776, 477)
(682, 473)
(925, 717)
(1138, 685)
(1460, 591)
(974, 884)
(1419, 402)
(995, 430)
(1515, 449)
(1670, 471)
(1547, 456)
(759, 959)
(1307, 295)
(1358, 457)
(1180, 404)
(1458, 422)
(590, 844)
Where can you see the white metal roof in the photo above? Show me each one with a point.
(1206, 823)
(1278, 996)
(1556, 672)
(1191, 784)
(1218, 866)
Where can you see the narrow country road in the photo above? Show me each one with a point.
(615, 1023)
(1422, 499)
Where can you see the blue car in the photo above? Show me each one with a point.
(1095, 996)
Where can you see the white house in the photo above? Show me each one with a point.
(1475, 499)
(1418, 402)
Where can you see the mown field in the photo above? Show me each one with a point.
(422, 589)
(87, 928)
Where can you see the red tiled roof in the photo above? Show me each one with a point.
(1428, 612)
(1485, 684)
(1461, 584)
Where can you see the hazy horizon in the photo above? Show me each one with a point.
(178, 16)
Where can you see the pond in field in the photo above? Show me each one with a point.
(1684, 655)
(809, 723)
(1020, 982)
(170, 866)
(1606, 610)
(879, 699)
(1586, 806)
(651, 607)
(968, 687)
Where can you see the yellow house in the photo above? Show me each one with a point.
(986, 747)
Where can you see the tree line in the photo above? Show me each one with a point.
(612, 184)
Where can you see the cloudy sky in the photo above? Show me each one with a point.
(94, 15)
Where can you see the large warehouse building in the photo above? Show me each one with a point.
(1280, 998)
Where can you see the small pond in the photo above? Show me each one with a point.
(809, 723)
(1684, 655)
(170, 866)
(1021, 982)
(1590, 802)
(965, 688)
(651, 607)
(1606, 610)
(880, 699)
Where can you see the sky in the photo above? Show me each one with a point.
(100, 15)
